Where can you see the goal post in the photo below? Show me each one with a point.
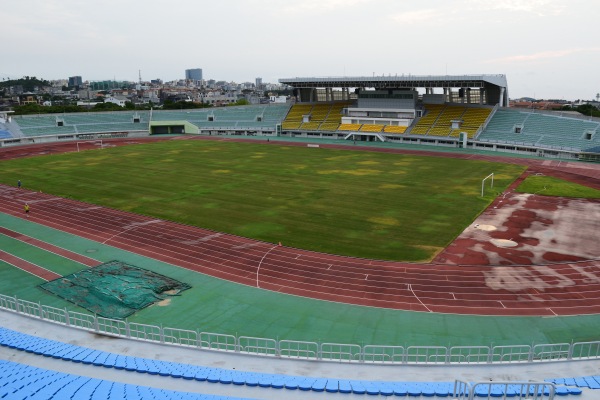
(92, 142)
(491, 182)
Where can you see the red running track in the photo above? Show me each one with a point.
(567, 288)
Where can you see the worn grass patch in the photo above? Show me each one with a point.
(550, 186)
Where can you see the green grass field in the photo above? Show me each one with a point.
(357, 203)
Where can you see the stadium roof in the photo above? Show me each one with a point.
(404, 81)
(495, 86)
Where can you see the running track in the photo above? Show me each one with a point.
(568, 288)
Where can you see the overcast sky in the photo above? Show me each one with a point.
(546, 48)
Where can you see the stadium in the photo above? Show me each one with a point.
(105, 300)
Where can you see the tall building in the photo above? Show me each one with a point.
(258, 83)
(75, 81)
(194, 74)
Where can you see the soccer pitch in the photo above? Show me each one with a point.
(356, 203)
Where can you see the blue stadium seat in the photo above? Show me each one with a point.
(581, 382)
(264, 380)
(332, 386)
(305, 384)
(575, 391)
(252, 379)
(278, 381)
(400, 389)
(414, 390)
(225, 378)
(344, 387)
(561, 391)
(100, 360)
(386, 389)
(358, 387)
(371, 388)
(201, 374)
(319, 385)
(291, 383)
(5, 134)
(188, 373)
(238, 378)
(443, 389)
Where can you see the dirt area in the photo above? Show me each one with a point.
(529, 229)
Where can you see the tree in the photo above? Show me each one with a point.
(588, 110)
(107, 107)
(241, 102)
(28, 83)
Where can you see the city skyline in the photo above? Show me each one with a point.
(538, 44)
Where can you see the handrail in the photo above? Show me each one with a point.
(292, 349)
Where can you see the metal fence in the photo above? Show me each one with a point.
(293, 349)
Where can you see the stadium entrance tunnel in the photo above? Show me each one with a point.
(114, 289)
(172, 127)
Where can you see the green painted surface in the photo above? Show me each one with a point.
(37, 256)
(215, 305)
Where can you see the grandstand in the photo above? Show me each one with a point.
(380, 108)
(451, 111)
(546, 133)
(243, 120)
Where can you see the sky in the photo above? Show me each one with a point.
(548, 49)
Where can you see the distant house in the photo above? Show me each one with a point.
(118, 100)
(28, 98)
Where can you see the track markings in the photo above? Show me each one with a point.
(131, 226)
(417, 297)
(59, 251)
(261, 260)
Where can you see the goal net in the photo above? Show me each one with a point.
(490, 177)
(89, 144)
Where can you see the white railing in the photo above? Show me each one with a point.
(306, 350)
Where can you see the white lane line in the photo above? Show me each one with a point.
(417, 297)
(261, 260)
(133, 226)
